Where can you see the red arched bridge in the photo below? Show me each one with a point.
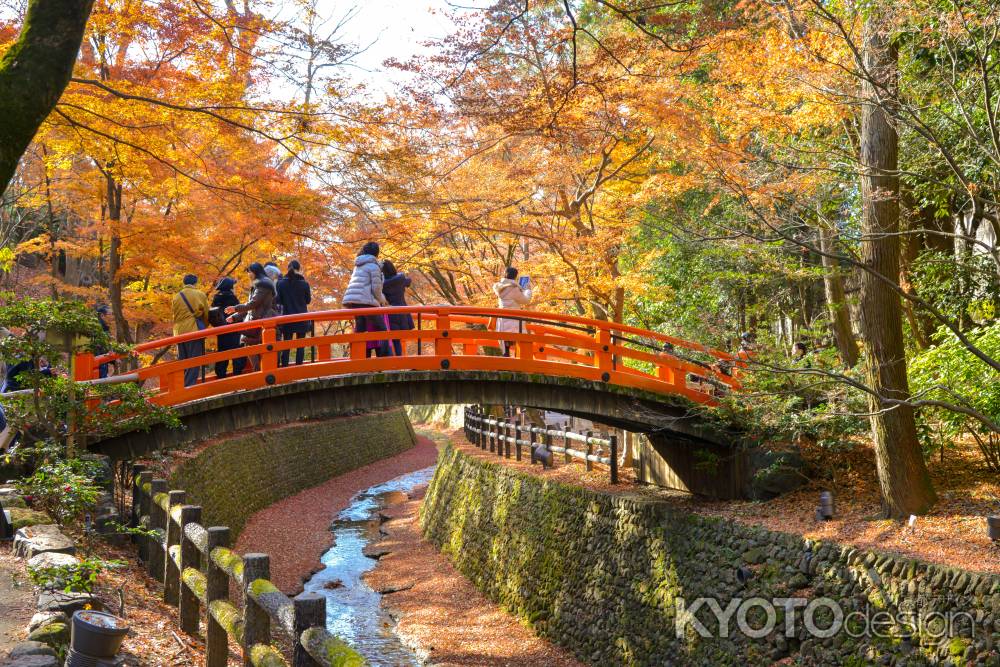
(445, 338)
(611, 373)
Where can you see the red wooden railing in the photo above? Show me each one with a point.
(455, 338)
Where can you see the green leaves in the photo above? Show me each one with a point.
(65, 489)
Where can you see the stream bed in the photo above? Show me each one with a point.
(353, 610)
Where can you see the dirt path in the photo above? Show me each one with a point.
(17, 599)
(296, 530)
(440, 612)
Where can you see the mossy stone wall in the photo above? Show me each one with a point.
(238, 476)
(608, 576)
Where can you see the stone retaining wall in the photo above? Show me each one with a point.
(609, 577)
(237, 476)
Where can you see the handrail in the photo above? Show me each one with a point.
(499, 434)
(447, 338)
(196, 568)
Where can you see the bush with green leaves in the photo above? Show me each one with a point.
(79, 577)
(65, 489)
(950, 373)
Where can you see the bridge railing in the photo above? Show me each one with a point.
(499, 435)
(197, 568)
(444, 338)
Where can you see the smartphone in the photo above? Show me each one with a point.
(524, 281)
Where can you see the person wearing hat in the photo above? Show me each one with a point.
(190, 308)
(224, 298)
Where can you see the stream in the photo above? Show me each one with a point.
(353, 610)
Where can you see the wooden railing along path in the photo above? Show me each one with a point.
(196, 566)
(498, 435)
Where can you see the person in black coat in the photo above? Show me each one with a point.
(293, 297)
(394, 286)
(224, 296)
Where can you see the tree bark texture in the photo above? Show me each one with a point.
(34, 73)
(836, 300)
(905, 484)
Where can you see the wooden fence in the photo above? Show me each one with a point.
(498, 435)
(196, 565)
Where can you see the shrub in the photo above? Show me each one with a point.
(65, 489)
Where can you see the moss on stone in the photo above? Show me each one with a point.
(228, 617)
(260, 587)
(230, 562)
(334, 652)
(262, 655)
(55, 635)
(196, 581)
(21, 517)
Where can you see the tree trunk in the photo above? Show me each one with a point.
(34, 72)
(836, 301)
(115, 278)
(905, 485)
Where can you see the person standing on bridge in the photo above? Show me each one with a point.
(190, 308)
(294, 296)
(225, 297)
(259, 307)
(512, 296)
(365, 291)
(394, 288)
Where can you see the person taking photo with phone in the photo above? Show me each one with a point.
(512, 294)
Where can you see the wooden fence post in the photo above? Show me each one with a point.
(548, 445)
(309, 611)
(256, 622)
(142, 510)
(216, 588)
(517, 440)
(589, 450)
(137, 469)
(171, 573)
(506, 437)
(566, 457)
(531, 441)
(188, 601)
(614, 458)
(492, 435)
(157, 523)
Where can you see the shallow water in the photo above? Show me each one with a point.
(353, 612)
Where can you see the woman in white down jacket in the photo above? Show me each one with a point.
(510, 295)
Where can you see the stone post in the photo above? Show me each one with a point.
(190, 557)
(171, 573)
(157, 522)
(216, 588)
(256, 622)
(310, 611)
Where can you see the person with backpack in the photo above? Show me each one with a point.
(190, 309)
(224, 298)
(293, 298)
(364, 290)
(394, 286)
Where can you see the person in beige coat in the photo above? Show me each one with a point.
(510, 295)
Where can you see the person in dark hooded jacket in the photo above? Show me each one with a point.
(394, 287)
(259, 307)
(225, 297)
(293, 298)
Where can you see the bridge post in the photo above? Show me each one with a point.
(613, 442)
(269, 360)
(216, 588)
(256, 622)
(171, 572)
(157, 523)
(442, 343)
(602, 356)
(187, 600)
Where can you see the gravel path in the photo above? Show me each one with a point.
(296, 530)
(440, 613)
